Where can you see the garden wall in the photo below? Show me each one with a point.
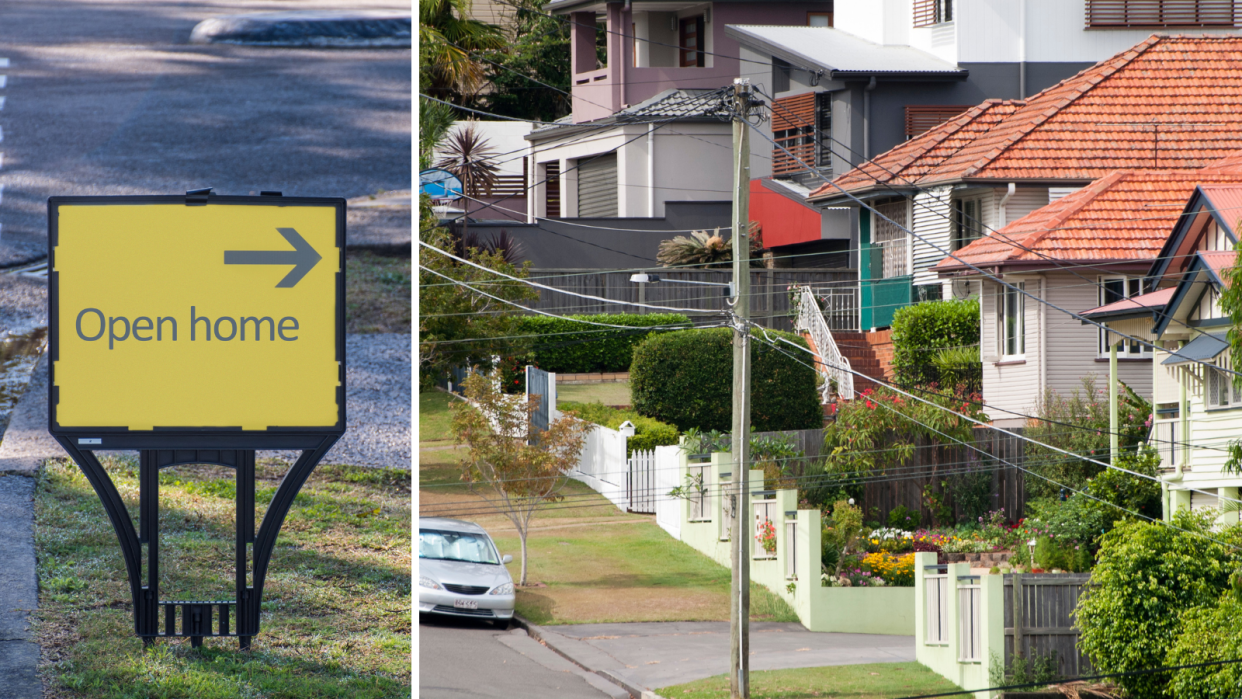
(792, 571)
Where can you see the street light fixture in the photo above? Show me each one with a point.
(644, 278)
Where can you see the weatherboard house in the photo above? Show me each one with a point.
(1197, 405)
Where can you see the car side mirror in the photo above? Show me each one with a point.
(506, 559)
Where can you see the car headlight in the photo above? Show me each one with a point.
(428, 582)
(506, 589)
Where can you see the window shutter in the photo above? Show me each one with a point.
(1161, 13)
(924, 13)
(923, 118)
(793, 127)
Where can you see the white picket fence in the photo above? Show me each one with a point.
(667, 509)
(602, 465)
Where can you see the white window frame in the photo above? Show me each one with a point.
(1219, 390)
(1011, 303)
(966, 227)
(1132, 286)
(1166, 434)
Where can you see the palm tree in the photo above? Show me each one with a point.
(446, 39)
(709, 250)
(469, 156)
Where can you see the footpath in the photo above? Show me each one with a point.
(638, 658)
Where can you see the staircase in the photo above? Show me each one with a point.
(830, 363)
(859, 349)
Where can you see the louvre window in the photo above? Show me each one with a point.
(803, 125)
(1161, 13)
(930, 12)
(923, 118)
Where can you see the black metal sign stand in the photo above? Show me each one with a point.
(197, 618)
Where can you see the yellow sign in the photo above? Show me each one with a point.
(211, 317)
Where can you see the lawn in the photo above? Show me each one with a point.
(877, 681)
(336, 607)
(590, 562)
(377, 292)
(606, 393)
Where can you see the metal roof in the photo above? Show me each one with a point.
(841, 54)
(672, 103)
(1202, 348)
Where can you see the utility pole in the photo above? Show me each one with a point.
(739, 613)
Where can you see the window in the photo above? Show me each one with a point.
(692, 42)
(456, 546)
(819, 19)
(929, 12)
(891, 242)
(1161, 13)
(1220, 390)
(923, 118)
(780, 75)
(967, 226)
(803, 125)
(1113, 289)
(1011, 321)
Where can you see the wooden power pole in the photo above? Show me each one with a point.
(739, 614)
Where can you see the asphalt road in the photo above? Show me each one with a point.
(468, 659)
(109, 97)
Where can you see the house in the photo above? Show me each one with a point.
(1090, 248)
(647, 125)
(1198, 409)
(1002, 159)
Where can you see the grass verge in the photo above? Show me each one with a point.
(434, 419)
(336, 607)
(606, 393)
(876, 681)
(377, 293)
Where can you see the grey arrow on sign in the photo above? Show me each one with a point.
(303, 257)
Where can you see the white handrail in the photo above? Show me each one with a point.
(832, 365)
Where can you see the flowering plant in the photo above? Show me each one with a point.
(895, 570)
(767, 536)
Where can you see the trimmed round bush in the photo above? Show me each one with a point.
(685, 378)
(565, 346)
(922, 331)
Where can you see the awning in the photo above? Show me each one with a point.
(1201, 349)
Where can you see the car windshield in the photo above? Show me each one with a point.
(456, 546)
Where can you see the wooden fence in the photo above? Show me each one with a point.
(958, 466)
(1039, 621)
(769, 290)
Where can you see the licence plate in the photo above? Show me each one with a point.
(466, 604)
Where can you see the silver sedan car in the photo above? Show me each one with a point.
(460, 573)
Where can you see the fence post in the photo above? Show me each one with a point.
(1017, 615)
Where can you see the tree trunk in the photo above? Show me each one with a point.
(522, 536)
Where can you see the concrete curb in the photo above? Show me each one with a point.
(585, 660)
(308, 29)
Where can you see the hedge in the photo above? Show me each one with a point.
(648, 433)
(594, 349)
(921, 331)
(685, 378)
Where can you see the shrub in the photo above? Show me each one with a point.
(921, 331)
(1078, 423)
(560, 348)
(686, 378)
(648, 433)
(1207, 635)
(902, 518)
(1147, 575)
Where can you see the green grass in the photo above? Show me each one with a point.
(336, 607)
(434, 419)
(377, 293)
(877, 681)
(606, 393)
(626, 571)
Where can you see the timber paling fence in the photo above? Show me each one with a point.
(1039, 620)
(769, 290)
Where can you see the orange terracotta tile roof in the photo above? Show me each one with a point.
(1123, 216)
(1088, 125)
